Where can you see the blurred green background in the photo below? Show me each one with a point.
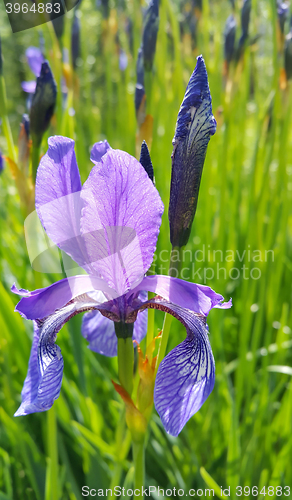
(242, 434)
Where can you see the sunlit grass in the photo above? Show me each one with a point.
(242, 434)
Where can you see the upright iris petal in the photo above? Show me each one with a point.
(194, 127)
(120, 219)
(35, 60)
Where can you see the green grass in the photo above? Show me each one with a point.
(242, 434)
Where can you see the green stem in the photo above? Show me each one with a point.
(126, 363)
(150, 326)
(174, 270)
(52, 490)
(35, 158)
(139, 464)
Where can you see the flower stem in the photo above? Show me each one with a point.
(35, 158)
(139, 464)
(150, 326)
(126, 363)
(52, 489)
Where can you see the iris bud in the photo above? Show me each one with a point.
(43, 103)
(195, 124)
(151, 24)
(288, 55)
(145, 160)
(229, 38)
(75, 40)
(245, 16)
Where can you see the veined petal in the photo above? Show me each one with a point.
(98, 150)
(120, 219)
(35, 59)
(195, 125)
(198, 298)
(45, 371)
(45, 301)
(185, 377)
(58, 204)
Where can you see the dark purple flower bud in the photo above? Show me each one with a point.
(151, 24)
(288, 55)
(75, 40)
(195, 124)
(1, 66)
(140, 98)
(43, 103)
(145, 160)
(140, 68)
(229, 38)
(245, 16)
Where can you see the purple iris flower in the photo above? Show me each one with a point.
(109, 226)
(35, 59)
(1, 163)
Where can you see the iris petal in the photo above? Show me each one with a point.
(58, 204)
(45, 301)
(35, 59)
(198, 298)
(120, 219)
(98, 150)
(45, 371)
(185, 377)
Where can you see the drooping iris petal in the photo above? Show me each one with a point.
(45, 371)
(120, 219)
(29, 87)
(198, 298)
(98, 150)
(58, 204)
(186, 376)
(194, 127)
(35, 59)
(45, 301)
(100, 331)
